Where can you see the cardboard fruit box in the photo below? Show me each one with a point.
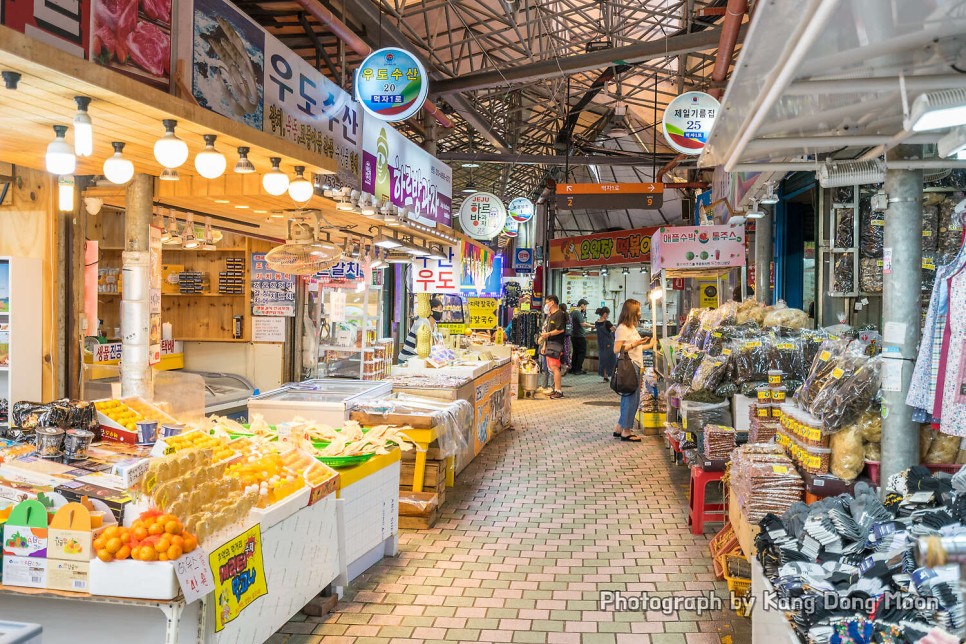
(121, 431)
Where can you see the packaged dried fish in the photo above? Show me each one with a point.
(871, 231)
(843, 274)
(688, 363)
(930, 227)
(870, 275)
(844, 233)
(821, 370)
(751, 359)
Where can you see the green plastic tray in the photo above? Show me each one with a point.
(344, 461)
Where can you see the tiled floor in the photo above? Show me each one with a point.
(548, 515)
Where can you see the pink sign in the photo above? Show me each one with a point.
(697, 248)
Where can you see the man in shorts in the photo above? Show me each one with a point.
(552, 340)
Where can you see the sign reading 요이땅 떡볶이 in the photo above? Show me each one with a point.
(619, 247)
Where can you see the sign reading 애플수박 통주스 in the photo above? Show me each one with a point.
(619, 247)
(391, 84)
(520, 210)
(238, 567)
(395, 168)
(273, 293)
(688, 120)
(241, 71)
(482, 216)
(684, 248)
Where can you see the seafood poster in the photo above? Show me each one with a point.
(133, 37)
(228, 62)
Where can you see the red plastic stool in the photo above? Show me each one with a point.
(699, 511)
(675, 448)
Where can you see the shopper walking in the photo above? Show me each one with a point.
(628, 339)
(568, 351)
(578, 318)
(606, 358)
(552, 341)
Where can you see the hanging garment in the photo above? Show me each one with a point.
(941, 355)
(953, 409)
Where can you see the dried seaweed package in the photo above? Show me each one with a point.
(871, 231)
(751, 359)
(844, 228)
(821, 370)
(691, 325)
(928, 271)
(843, 274)
(786, 355)
(710, 373)
(853, 395)
(950, 235)
(845, 367)
(811, 343)
(930, 228)
(870, 275)
(687, 365)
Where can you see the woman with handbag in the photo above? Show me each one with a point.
(629, 345)
(605, 344)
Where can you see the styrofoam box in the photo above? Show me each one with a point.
(135, 579)
(278, 512)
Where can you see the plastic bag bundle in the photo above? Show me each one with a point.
(950, 235)
(687, 365)
(788, 318)
(691, 325)
(930, 228)
(843, 274)
(853, 395)
(812, 340)
(821, 370)
(751, 359)
(750, 311)
(844, 233)
(723, 336)
(710, 373)
(870, 275)
(786, 355)
(873, 452)
(936, 447)
(846, 365)
(870, 425)
(848, 453)
(764, 480)
(843, 194)
(698, 414)
(871, 231)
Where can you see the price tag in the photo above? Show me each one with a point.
(837, 373)
(726, 352)
(824, 356)
(779, 469)
(161, 449)
(194, 575)
(752, 345)
(877, 222)
(927, 233)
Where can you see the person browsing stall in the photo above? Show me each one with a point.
(579, 337)
(552, 341)
(627, 338)
(408, 350)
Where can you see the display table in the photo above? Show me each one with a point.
(301, 559)
(368, 515)
(487, 390)
(768, 626)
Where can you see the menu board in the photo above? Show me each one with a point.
(577, 286)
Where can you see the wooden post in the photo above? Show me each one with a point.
(135, 300)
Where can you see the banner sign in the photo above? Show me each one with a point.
(273, 293)
(241, 71)
(395, 168)
(520, 210)
(688, 120)
(64, 24)
(482, 216)
(239, 575)
(603, 196)
(697, 247)
(511, 228)
(391, 84)
(343, 273)
(523, 260)
(619, 247)
(437, 275)
(482, 312)
(475, 268)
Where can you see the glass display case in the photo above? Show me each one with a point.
(348, 323)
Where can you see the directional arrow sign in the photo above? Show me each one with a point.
(603, 196)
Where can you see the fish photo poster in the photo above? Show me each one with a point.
(228, 62)
(134, 38)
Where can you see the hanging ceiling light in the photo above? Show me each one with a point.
(209, 239)
(65, 194)
(275, 182)
(210, 163)
(117, 169)
(188, 238)
(172, 236)
(300, 189)
(938, 110)
(377, 261)
(169, 175)
(470, 188)
(244, 166)
(771, 197)
(849, 173)
(755, 212)
(169, 150)
(83, 128)
(60, 157)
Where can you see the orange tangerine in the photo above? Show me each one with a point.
(162, 557)
(174, 552)
(162, 545)
(148, 553)
(123, 553)
(104, 555)
(190, 542)
(156, 528)
(173, 527)
(113, 545)
(140, 533)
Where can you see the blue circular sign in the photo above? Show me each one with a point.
(520, 210)
(391, 84)
(510, 228)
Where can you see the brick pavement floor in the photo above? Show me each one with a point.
(548, 515)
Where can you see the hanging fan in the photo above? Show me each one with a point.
(302, 253)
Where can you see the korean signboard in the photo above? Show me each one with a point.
(391, 84)
(619, 247)
(273, 293)
(520, 210)
(437, 275)
(523, 260)
(241, 71)
(602, 196)
(64, 24)
(343, 273)
(475, 268)
(395, 168)
(239, 573)
(482, 312)
(697, 247)
(688, 120)
(511, 228)
(482, 215)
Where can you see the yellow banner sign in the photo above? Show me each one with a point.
(239, 575)
(482, 312)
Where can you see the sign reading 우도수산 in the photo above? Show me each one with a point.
(391, 84)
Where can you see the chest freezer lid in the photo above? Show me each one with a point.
(324, 390)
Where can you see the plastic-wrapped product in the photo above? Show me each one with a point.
(943, 448)
(844, 233)
(698, 414)
(853, 395)
(710, 373)
(789, 318)
(843, 274)
(843, 194)
(871, 232)
(873, 452)
(811, 343)
(870, 275)
(719, 440)
(751, 359)
(747, 311)
(870, 425)
(950, 235)
(928, 271)
(691, 325)
(687, 365)
(764, 480)
(845, 367)
(786, 355)
(930, 227)
(821, 370)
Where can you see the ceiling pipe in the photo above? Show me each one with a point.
(358, 45)
(923, 83)
(810, 166)
(545, 159)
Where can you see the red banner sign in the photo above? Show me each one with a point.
(620, 247)
(64, 24)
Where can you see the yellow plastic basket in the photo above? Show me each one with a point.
(739, 587)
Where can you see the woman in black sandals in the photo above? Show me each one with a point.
(628, 339)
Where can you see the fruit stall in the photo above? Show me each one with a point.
(116, 517)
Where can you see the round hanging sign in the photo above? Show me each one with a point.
(482, 215)
(520, 210)
(511, 227)
(688, 120)
(391, 84)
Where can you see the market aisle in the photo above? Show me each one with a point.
(546, 516)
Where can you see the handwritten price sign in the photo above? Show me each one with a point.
(194, 575)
